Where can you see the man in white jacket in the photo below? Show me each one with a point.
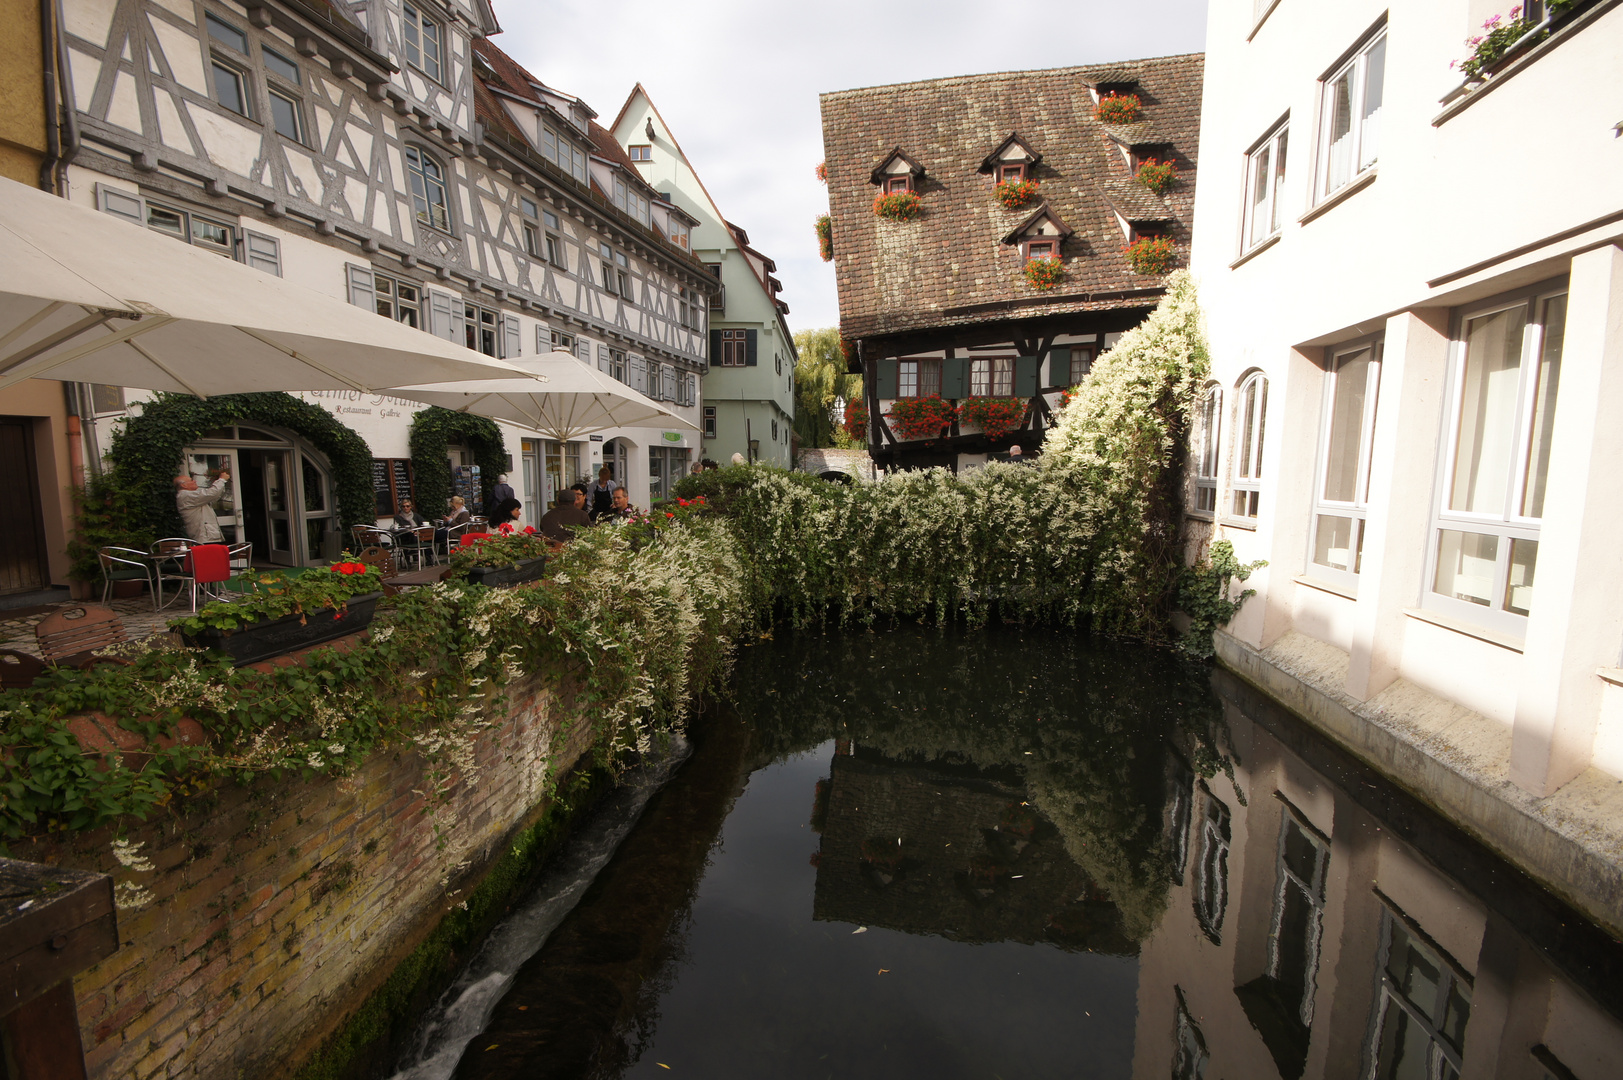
(196, 507)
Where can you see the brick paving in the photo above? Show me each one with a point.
(140, 621)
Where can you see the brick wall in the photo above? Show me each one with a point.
(279, 907)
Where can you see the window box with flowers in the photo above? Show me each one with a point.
(1499, 38)
(1043, 272)
(825, 237)
(1158, 176)
(822, 172)
(279, 615)
(921, 417)
(1118, 109)
(856, 421)
(1150, 254)
(898, 206)
(996, 417)
(1014, 194)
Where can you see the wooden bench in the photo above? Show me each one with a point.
(71, 637)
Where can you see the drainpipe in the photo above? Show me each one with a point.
(70, 120)
(53, 111)
(76, 450)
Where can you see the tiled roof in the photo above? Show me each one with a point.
(604, 143)
(949, 266)
(1136, 203)
(1143, 133)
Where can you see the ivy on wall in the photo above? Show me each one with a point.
(146, 451)
(432, 432)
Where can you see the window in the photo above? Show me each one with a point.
(1350, 392)
(1011, 173)
(481, 326)
(734, 348)
(1506, 370)
(919, 378)
(897, 184)
(690, 389)
(1208, 429)
(555, 340)
(422, 36)
(1069, 365)
(554, 250)
(1350, 117)
(281, 66)
(709, 421)
(617, 365)
(228, 88)
(427, 189)
(992, 377)
(285, 116)
(1190, 1054)
(1422, 1005)
(632, 202)
(1251, 412)
(1212, 867)
(399, 300)
(194, 229)
(641, 153)
(226, 34)
(1265, 177)
(679, 233)
(563, 153)
(1042, 249)
(532, 241)
(1298, 917)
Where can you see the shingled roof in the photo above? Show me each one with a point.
(946, 267)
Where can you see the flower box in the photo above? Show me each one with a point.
(1014, 194)
(505, 577)
(256, 641)
(1118, 109)
(1150, 254)
(901, 206)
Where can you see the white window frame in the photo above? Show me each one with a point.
(1509, 525)
(1452, 979)
(413, 36)
(1314, 893)
(1355, 510)
(1214, 844)
(1355, 65)
(710, 421)
(1208, 452)
(1274, 146)
(1245, 461)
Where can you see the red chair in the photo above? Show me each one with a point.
(210, 564)
(471, 538)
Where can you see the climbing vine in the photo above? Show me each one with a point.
(147, 449)
(1206, 595)
(432, 432)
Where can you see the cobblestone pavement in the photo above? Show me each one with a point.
(140, 621)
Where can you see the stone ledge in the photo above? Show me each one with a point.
(1456, 762)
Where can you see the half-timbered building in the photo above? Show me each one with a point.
(941, 305)
(387, 152)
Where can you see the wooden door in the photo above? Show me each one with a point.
(23, 563)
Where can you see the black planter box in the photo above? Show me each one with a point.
(262, 640)
(501, 577)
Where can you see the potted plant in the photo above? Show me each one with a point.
(1043, 274)
(501, 561)
(921, 417)
(1158, 176)
(825, 237)
(822, 172)
(996, 417)
(1499, 36)
(900, 206)
(1117, 109)
(280, 613)
(1150, 254)
(1014, 194)
(101, 518)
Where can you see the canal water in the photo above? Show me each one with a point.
(1009, 853)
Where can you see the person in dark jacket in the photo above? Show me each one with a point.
(563, 519)
(408, 518)
(602, 493)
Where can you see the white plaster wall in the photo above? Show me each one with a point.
(1323, 615)
(1481, 676)
(1451, 916)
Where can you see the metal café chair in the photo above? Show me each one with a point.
(453, 535)
(424, 536)
(169, 561)
(210, 565)
(126, 564)
(369, 536)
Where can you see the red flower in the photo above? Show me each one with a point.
(529, 530)
(681, 502)
(669, 514)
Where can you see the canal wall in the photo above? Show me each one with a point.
(296, 921)
(1458, 763)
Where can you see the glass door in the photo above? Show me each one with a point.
(535, 500)
(205, 466)
(277, 477)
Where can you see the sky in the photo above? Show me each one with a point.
(738, 80)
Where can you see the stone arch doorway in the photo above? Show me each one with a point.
(618, 455)
(280, 497)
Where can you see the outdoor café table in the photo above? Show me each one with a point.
(413, 579)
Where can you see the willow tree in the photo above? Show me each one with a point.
(821, 382)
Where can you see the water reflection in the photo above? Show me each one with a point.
(1070, 860)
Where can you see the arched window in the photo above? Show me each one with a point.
(1250, 415)
(428, 189)
(1208, 427)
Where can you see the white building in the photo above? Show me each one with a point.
(1414, 290)
(387, 153)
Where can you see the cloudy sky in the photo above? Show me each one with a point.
(738, 81)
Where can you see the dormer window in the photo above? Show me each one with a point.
(896, 173)
(1011, 173)
(1012, 160)
(1040, 236)
(896, 184)
(1041, 248)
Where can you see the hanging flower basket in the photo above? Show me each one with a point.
(856, 420)
(822, 172)
(1158, 176)
(1044, 274)
(1117, 109)
(902, 206)
(921, 417)
(825, 237)
(1014, 194)
(996, 417)
(1150, 255)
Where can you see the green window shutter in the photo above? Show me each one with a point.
(749, 347)
(889, 378)
(954, 373)
(1059, 367)
(1025, 376)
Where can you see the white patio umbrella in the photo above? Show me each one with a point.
(574, 400)
(87, 297)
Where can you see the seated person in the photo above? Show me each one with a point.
(458, 513)
(409, 518)
(506, 518)
(565, 517)
(621, 510)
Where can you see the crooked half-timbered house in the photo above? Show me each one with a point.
(941, 305)
(387, 152)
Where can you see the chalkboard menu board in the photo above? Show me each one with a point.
(391, 484)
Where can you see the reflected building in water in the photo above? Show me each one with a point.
(1320, 924)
